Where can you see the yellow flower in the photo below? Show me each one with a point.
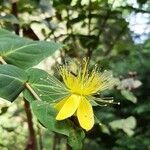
(82, 86)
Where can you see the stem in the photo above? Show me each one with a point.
(2, 60)
(14, 11)
(56, 141)
(68, 147)
(31, 145)
(40, 137)
(32, 91)
(89, 21)
(26, 84)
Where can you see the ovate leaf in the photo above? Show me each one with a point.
(12, 80)
(5, 33)
(22, 52)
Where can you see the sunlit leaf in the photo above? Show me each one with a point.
(22, 52)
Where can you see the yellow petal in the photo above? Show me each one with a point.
(60, 104)
(69, 107)
(85, 114)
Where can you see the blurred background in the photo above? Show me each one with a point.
(115, 35)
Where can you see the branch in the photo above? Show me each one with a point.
(56, 141)
(105, 21)
(14, 11)
(31, 145)
(89, 21)
(40, 137)
(115, 41)
(137, 10)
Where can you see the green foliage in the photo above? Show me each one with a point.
(24, 53)
(12, 80)
(75, 138)
(127, 125)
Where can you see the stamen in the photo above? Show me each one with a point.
(84, 71)
(105, 101)
(102, 105)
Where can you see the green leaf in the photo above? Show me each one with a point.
(104, 129)
(9, 18)
(12, 80)
(129, 96)
(22, 52)
(5, 33)
(75, 138)
(46, 86)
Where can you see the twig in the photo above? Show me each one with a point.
(105, 21)
(40, 137)
(14, 11)
(2, 60)
(56, 141)
(26, 84)
(89, 21)
(31, 145)
(115, 41)
(68, 147)
(137, 10)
